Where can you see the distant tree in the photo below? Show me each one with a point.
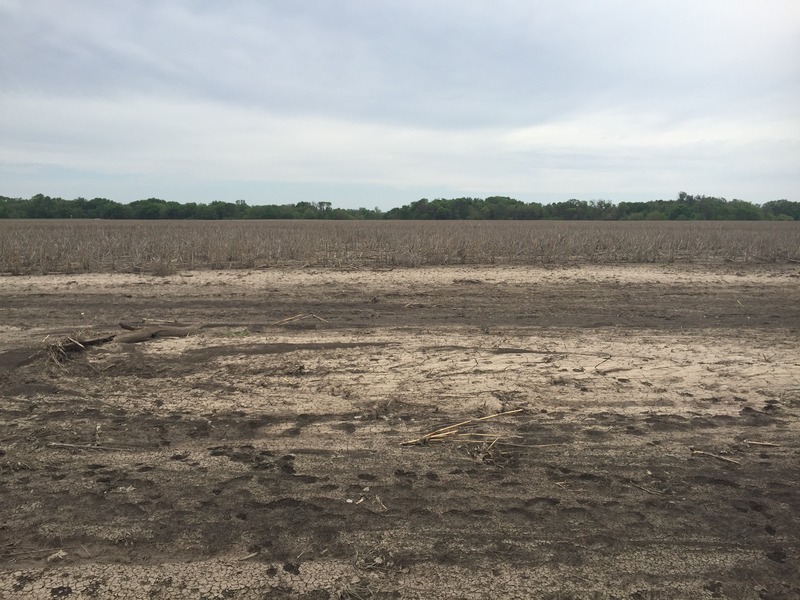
(226, 210)
(708, 209)
(146, 209)
(100, 208)
(603, 209)
(740, 210)
(572, 209)
(42, 207)
(775, 209)
(685, 206)
(680, 211)
(502, 208)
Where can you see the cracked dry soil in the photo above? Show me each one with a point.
(657, 455)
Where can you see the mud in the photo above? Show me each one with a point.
(657, 455)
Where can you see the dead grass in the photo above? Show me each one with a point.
(166, 247)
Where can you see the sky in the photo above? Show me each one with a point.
(378, 103)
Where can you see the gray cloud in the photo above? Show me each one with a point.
(621, 96)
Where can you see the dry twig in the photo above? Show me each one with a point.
(249, 556)
(754, 443)
(453, 430)
(299, 317)
(290, 319)
(717, 456)
(648, 490)
(86, 447)
(27, 552)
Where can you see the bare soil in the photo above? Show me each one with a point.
(657, 454)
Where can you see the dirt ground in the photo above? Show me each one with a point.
(656, 455)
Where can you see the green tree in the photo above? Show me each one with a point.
(146, 209)
(775, 209)
(744, 211)
(572, 209)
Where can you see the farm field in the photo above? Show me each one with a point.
(642, 439)
(166, 247)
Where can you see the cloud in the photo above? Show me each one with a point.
(609, 98)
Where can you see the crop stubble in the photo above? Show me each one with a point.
(165, 247)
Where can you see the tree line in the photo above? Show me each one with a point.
(684, 207)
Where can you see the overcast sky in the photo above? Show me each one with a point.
(382, 102)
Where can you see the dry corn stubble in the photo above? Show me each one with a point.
(164, 247)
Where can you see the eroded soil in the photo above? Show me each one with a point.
(657, 455)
